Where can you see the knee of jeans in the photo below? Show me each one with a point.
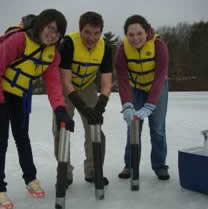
(160, 132)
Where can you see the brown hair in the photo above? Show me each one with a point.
(136, 19)
(27, 21)
(46, 17)
(91, 18)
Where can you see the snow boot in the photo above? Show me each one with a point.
(91, 180)
(5, 202)
(35, 189)
(162, 174)
(125, 174)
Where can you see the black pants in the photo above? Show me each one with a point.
(12, 112)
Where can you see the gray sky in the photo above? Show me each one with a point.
(157, 12)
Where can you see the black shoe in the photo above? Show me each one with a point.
(162, 174)
(91, 180)
(125, 174)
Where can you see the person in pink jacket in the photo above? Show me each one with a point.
(26, 56)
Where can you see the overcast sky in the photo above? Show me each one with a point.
(157, 12)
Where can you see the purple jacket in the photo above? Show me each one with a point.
(161, 72)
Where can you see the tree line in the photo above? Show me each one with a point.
(188, 59)
(188, 62)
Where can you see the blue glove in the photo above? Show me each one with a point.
(128, 112)
(145, 111)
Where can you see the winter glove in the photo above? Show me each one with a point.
(145, 111)
(91, 114)
(101, 103)
(62, 115)
(128, 112)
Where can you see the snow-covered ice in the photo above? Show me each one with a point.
(187, 116)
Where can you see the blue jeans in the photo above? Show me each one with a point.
(157, 129)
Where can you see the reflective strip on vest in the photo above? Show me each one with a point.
(85, 62)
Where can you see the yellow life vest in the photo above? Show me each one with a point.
(18, 79)
(85, 62)
(141, 64)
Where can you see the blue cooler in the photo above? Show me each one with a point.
(193, 169)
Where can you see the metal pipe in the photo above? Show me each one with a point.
(135, 159)
(95, 131)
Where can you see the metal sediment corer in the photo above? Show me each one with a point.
(63, 156)
(135, 161)
(95, 131)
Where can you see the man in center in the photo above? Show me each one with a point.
(85, 54)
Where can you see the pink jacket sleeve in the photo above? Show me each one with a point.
(125, 89)
(10, 49)
(53, 83)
